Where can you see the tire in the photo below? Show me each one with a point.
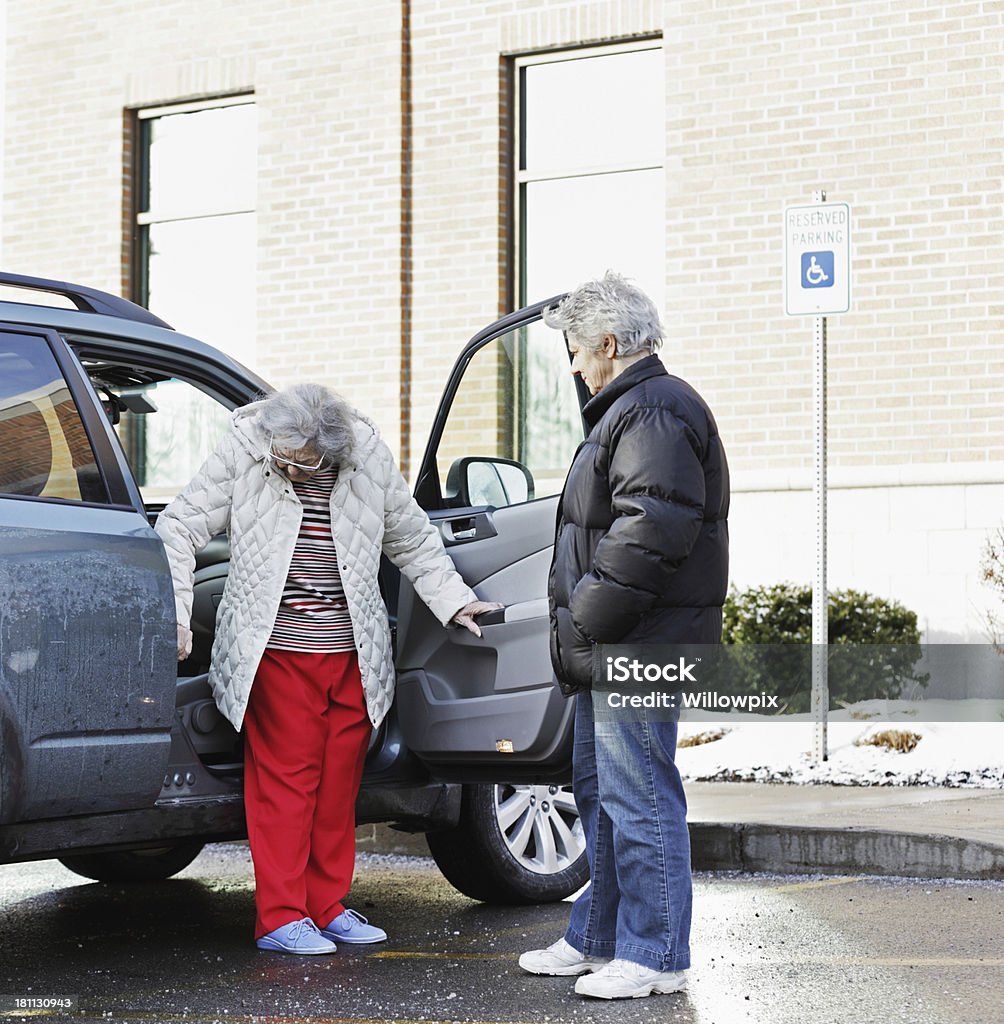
(514, 844)
(134, 865)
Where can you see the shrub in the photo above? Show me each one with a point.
(874, 645)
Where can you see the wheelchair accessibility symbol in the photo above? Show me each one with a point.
(817, 269)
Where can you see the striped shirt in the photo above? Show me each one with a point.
(312, 614)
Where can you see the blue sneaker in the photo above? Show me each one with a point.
(297, 937)
(353, 928)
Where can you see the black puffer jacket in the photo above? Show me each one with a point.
(641, 552)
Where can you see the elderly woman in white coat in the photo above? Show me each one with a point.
(310, 496)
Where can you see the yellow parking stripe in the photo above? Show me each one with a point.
(418, 954)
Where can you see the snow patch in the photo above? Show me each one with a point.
(964, 749)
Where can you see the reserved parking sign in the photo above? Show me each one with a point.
(817, 259)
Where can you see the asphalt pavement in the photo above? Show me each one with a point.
(767, 949)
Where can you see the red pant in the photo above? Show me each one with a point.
(306, 737)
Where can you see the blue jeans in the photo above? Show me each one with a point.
(634, 815)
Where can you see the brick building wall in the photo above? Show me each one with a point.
(326, 81)
(895, 109)
(461, 174)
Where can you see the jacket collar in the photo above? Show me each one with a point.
(650, 366)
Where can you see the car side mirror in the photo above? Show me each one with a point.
(485, 481)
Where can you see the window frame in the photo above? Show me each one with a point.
(142, 218)
(428, 490)
(225, 385)
(522, 178)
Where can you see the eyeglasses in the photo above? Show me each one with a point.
(287, 462)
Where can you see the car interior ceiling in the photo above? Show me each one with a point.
(115, 376)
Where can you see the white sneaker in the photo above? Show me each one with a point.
(624, 979)
(560, 959)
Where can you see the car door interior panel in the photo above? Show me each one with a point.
(493, 699)
(517, 532)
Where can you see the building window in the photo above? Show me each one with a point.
(589, 168)
(196, 220)
(589, 193)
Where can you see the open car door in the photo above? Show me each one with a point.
(507, 428)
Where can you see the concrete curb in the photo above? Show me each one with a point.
(786, 849)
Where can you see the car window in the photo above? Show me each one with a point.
(514, 422)
(44, 449)
(167, 429)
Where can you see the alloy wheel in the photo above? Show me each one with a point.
(540, 826)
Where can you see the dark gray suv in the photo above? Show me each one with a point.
(122, 768)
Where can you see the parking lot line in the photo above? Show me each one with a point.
(419, 954)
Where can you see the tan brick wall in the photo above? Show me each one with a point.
(894, 108)
(457, 117)
(897, 110)
(480, 412)
(327, 87)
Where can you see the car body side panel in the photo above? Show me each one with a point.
(211, 821)
(87, 658)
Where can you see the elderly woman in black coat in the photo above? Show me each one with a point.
(640, 557)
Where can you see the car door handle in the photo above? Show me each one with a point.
(464, 529)
(493, 618)
(521, 611)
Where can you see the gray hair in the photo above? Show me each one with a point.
(308, 416)
(611, 305)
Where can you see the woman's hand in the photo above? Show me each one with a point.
(465, 617)
(184, 642)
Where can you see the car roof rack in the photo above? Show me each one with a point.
(88, 300)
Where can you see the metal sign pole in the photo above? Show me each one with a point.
(817, 283)
(820, 597)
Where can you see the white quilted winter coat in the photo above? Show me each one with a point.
(372, 510)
